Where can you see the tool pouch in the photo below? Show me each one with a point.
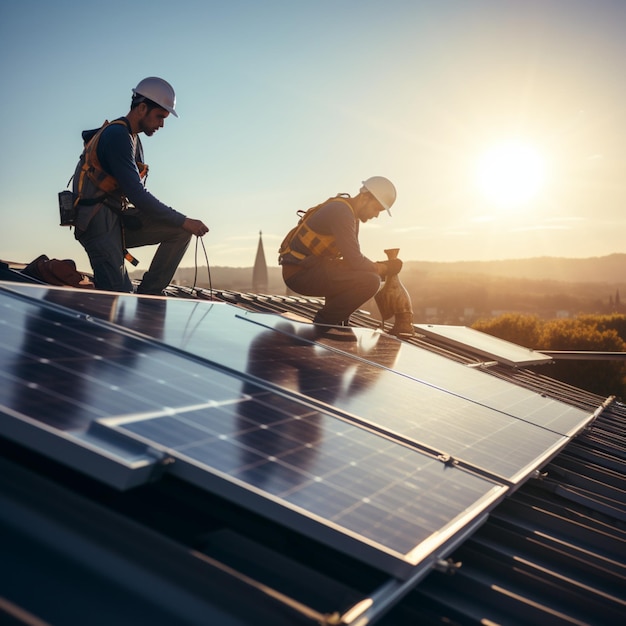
(67, 209)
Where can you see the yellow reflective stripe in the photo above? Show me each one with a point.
(315, 243)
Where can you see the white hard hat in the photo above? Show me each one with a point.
(382, 189)
(159, 91)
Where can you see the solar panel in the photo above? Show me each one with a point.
(455, 410)
(327, 478)
(484, 344)
(461, 411)
(455, 378)
(357, 490)
(376, 447)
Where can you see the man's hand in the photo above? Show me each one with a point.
(391, 267)
(195, 227)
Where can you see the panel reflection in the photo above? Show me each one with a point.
(294, 440)
(66, 372)
(403, 389)
(453, 378)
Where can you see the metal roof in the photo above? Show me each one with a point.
(77, 541)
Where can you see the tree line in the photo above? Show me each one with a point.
(595, 333)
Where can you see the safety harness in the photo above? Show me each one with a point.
(92, 169)
(315, 243)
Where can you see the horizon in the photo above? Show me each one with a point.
(501, 260)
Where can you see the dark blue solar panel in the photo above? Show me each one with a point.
(365, 485)
(439, 404)
(437, 371)
(66, 372)
(362, 492)
(252, 409)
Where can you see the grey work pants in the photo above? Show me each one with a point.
(104, 245)
(343, 288)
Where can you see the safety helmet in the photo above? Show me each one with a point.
(159, 91)
(382, 189)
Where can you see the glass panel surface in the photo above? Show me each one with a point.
(342, 477)
(497, 426)
(66, 372)
(364, 493)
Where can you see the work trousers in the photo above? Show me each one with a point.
(343, 288)
(104, 243)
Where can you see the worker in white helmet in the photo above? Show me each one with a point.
(321, 256)
(115, 211)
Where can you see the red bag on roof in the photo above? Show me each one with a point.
(62, 273)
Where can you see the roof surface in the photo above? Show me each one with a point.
(205, 459)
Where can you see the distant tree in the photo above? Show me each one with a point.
(591, 333)
(524, 330)
(612, 321)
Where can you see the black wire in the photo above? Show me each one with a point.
(195, 262)
(208, 269)
(195, 276)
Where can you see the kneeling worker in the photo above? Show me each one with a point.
(321, 256)
(114, 211)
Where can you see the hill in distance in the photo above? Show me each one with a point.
(610, 269)
(607, 269)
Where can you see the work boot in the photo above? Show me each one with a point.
(335, 332)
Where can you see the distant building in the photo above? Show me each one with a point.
(260, 279)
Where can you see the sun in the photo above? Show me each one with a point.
(510, 174)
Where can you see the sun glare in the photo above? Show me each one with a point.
(510, 174)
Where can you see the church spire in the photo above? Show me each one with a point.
(259, 272)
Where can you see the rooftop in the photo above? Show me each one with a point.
(207, 458)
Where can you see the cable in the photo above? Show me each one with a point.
(195, 276)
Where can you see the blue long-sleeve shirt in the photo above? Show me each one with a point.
(337, 219)
(116, 153)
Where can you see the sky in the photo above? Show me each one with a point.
(500, 122)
